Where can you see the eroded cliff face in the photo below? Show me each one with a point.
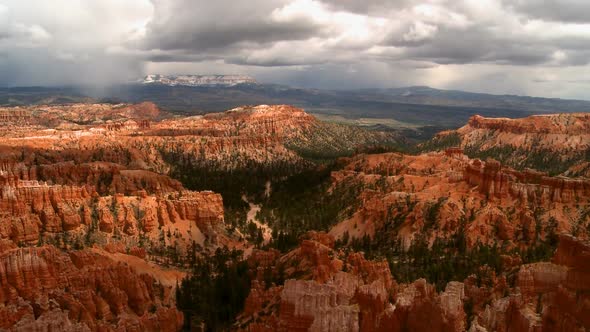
(436, 194)
(33, 212)
(95, 177)
(497, 181)
(337, 292)
(99, 152)
(323, 297)
(105, 177)
(553, 142)
(77, 115)
(47, 289)
(564, 133)
(548, 296)
(355, 294)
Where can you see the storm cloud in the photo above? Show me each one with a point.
(574, 11)
(182, 25)
(65, 42)
(524, 46)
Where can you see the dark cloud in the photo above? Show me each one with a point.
(247, 33)
(575, 11)
(477, 46)
(275, 61)
(577, 58)
(179, 57)
(375, 7)
(199, 26)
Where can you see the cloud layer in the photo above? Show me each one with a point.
(538, 47)
(63, 42)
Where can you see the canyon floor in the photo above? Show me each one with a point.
(124, 217)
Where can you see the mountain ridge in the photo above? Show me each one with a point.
(400, 108)
(196, 80)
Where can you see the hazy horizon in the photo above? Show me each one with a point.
(92, 88)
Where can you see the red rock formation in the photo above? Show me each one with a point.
(145, 110)
(96, 173)
(571, 123)
(419, 308)
(551, 142)
(539, 278)
(433, 194)
(320, 237)
(312, 306)
(43, 288)
(362, 296)
(119, 134)
(15, 116)
(261, 261)
(493, 180)
(31, 210)
(260, 297)
(359, 296)
(450, 152)
(105, 177)
(573, 253)
(551, 297)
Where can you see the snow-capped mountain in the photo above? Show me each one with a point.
(197, 80)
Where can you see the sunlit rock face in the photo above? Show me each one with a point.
(31, 210)
(556, 143)
(433, 194)
(567, 132)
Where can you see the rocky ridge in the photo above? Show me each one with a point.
(436, 193)
(142, 137)
(553, 142)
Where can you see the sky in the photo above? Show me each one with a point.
(526, 47)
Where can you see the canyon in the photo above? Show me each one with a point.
(88, 204)
(107, 210)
